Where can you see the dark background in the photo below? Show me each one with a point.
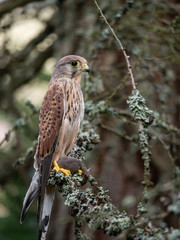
(33, 36)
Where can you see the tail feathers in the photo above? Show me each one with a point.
(44, 175)
(31, 195)
(46, 212)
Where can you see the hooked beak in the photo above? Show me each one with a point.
(85, 68)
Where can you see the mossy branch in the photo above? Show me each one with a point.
(145, 117)
(94, 208)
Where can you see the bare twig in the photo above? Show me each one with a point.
(121, 47)
(166, 147)
(119, 134)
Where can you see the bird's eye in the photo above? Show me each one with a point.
(74, 63)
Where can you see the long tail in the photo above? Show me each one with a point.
(45, 198)
(46, 205)
(46, 212)
(45, 194)
(31, 195)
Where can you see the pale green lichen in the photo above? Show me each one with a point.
(141, 209)
(96, 209)
(137, 105)
(87, 137)
(145, 117)
(93, 110)
(20, 122)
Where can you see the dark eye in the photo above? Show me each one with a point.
(74, 63)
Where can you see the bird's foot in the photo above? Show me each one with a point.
(75, 166)
(80, 171)
(57, 168)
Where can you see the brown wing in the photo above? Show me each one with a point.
(51, 115)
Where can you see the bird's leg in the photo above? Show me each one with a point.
(57, 168)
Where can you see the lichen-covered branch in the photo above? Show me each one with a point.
(148, 117)
(145, 117)
(139, 109)
(94, 208)
(142, 114)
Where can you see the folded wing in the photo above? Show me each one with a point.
(50, 122)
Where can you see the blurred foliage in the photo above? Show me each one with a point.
(33, 36)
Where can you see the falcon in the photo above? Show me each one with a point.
(60, 116)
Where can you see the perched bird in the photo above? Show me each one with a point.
(60, 116)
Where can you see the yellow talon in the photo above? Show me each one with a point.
(57, 168)
(80, 171)
(65, 171)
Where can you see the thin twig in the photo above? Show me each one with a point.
(130, 139)
(166, 147)
(121, 47)
(115, 90)
(15, 127)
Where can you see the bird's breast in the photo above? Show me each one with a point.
(74, 103)
(73, 115)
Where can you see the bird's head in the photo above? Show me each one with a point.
(72, 66)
